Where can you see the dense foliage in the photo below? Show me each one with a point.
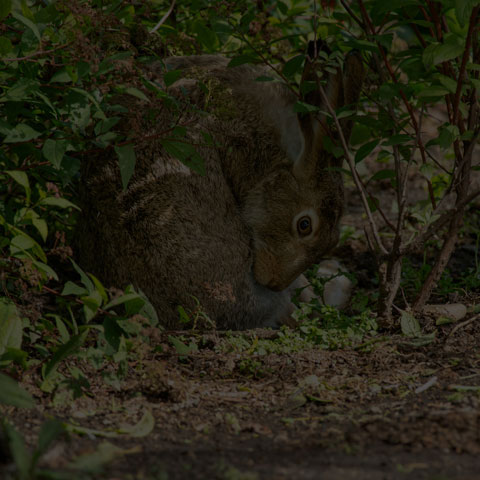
(66, 65)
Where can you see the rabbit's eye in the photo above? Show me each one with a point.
(304, 226)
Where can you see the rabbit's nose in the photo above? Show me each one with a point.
(275, 287)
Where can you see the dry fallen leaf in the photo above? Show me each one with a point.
(452, 311)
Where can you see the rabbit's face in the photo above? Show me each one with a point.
(294, 221)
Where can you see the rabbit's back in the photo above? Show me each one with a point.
(231, 242)
(179, 238)
(176, 234)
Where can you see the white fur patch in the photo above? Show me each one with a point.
(169, 166)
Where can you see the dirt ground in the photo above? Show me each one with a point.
(385, 410)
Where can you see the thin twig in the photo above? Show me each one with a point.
(465, 56)
(404, 98)
(164, 18)
(77, 300)
(352, 14)
(356, 178)
(267, 62)
(463, 324)
(36, 54)
(439, 223)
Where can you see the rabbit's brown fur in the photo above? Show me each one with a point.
(229, 238)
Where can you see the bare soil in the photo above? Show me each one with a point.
(385, 410)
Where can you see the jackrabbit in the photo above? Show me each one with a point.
(235, 241)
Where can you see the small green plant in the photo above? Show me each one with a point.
(196, 318)
(26, 462)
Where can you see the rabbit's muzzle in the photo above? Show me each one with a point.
(277, 270)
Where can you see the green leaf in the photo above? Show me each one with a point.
(441, 52)
(373, 203)
(99, 287)
(448, 83)
(247, 18)
(382, 7)
(19, 451)
(15, 355)
(28, 23)
(71, 288)
(475, 83)
(410, 325)
(365, 150)
(22, 179)
(21, 90)
(53, 151)
(182, 348)
(12, 394)
(61, 76)
(126, 162)
(302, 107)
(444, 320)
(186, 153)
(207, 37)
(397, 140)
(93, 301)
(50, 431)
(26, 12)
(362, 45)
(143, 428)
(62, 329)
(90, 97)
(122, 299)
(465, 388)
(79, 112)
(422, 340)
(433, 91)
(382, 175)
(104, 454)
(84, 277)
(21, 133)
(104, 126)
(5, 45)
(48, 271)
(113, 332)
(137, 93)
(41, 225)
(5, 8)
(171, 77)
(148, 311)
(22, 242)
(447, 135)
(91, 304)
(63, 352)
(58, 202)
(264, 78)
(463, 10)
(11, 326)
(345, 114)
(241, 60)
(293, 66)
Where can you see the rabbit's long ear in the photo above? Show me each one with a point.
(340, 89)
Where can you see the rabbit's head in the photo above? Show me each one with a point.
(294, 212)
